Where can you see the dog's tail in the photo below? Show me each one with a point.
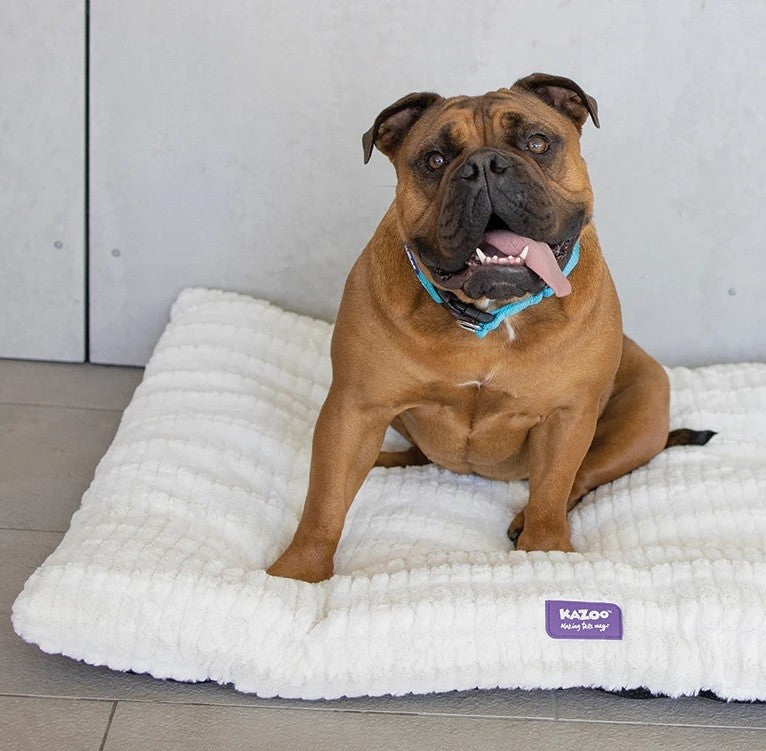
(688, 437)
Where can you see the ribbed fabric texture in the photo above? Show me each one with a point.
(162, 569)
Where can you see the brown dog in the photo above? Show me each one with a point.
(494, 205)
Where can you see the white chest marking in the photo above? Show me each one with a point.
(483, 382)
(478, 384)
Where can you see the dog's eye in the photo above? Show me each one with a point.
(537, 144)
(435, 160)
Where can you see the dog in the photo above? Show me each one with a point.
(482, 323)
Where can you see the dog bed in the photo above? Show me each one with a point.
(162, 569)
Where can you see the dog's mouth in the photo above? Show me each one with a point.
(502, 249)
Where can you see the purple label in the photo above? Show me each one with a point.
(570, 619)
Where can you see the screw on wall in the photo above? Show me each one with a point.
(58, 244)
(732, 291)
(116, 252)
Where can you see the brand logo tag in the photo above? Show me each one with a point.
(571, 619)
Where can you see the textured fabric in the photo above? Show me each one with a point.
(162, 570)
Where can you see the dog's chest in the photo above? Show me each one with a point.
(481, 401)
(477, 424)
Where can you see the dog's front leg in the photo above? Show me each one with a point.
(347, 439)
(557, 447)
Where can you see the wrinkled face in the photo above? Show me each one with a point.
(492, 193)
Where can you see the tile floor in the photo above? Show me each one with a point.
(55, 423)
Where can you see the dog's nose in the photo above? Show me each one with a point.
(483, 161)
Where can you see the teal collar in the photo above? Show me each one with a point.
(471, 318)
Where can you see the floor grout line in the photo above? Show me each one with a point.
(52, 365)
(108, 726)
(62, 406)
(25, 529)
(643, 723)
(399, 713)
(347, 710)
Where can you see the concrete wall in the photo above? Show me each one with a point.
(226, 149)
(42, 174)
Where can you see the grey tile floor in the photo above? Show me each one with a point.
(55, 423)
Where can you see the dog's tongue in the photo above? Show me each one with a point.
(540, 257)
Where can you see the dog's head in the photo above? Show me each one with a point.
(492, 191)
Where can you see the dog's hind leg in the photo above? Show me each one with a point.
(411, 457)
(632, 429)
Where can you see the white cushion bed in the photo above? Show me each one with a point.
(162, 569)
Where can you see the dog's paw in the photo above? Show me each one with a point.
(305, 563)
(546, 542)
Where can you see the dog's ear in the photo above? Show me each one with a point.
(564, 95)
(391, 125)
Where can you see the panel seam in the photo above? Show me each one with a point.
(86, 188)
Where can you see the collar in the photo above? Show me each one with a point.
(471, 318)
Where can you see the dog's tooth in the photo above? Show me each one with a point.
(480, 255)
(524, 253)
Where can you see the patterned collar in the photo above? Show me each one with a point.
(471, 318)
